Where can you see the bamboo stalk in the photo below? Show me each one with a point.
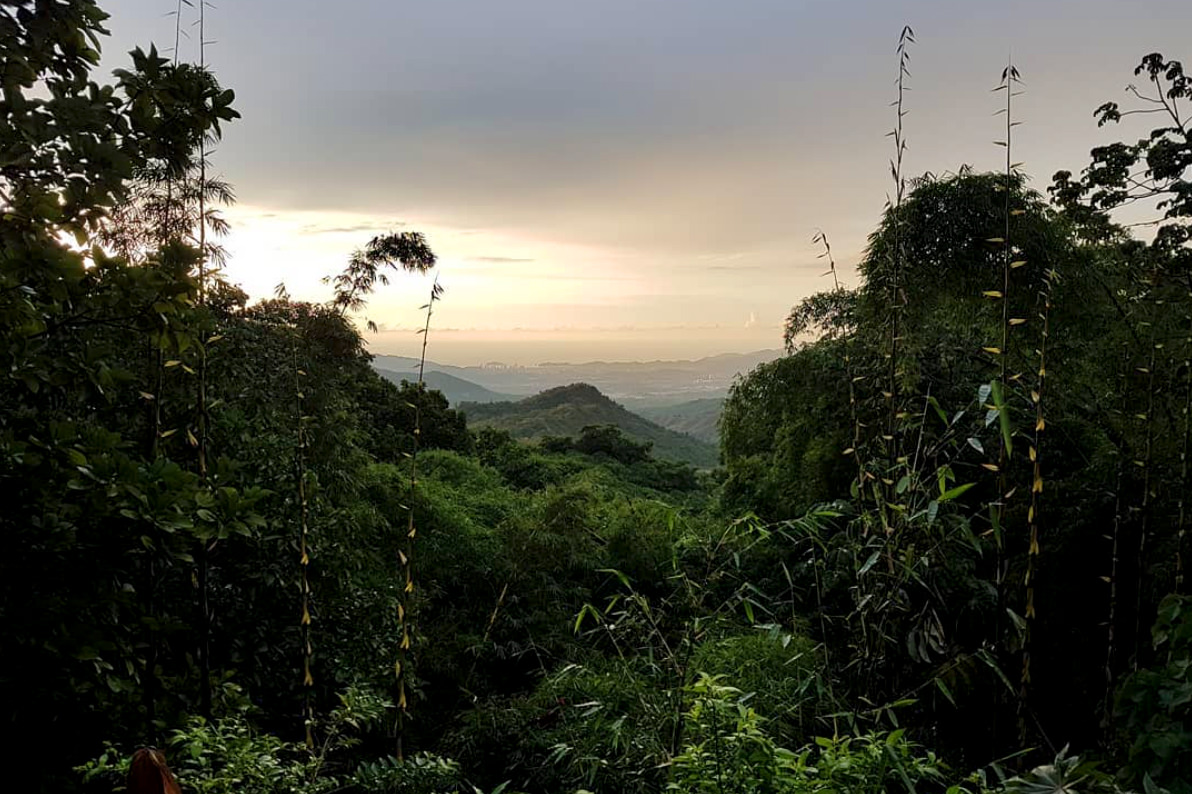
(204, 550)
(1185, 446)
(406, 554)
(855, 450)
(896, 292)
(1145, 463)
(1114, 560)
(308, 680)
(1002, 352)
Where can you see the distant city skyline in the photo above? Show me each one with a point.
(624, 180)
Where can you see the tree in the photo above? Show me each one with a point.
(609, 441)
(1154, 170)
(388, 423)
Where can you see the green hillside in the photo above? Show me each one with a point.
(566, 410)
(698, 418)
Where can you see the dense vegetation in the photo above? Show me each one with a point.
(946, 524)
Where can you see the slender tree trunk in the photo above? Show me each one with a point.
(1114, 558)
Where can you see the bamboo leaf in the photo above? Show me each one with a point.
(1004, 417)
(620, 576)
(943, 688)
(955, 493)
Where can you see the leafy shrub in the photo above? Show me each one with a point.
(641, 536)
(601, 726)
(229, 756)
(778, 672)
(422, 774)
(225, 756)
(1155, 705)
(728, 749)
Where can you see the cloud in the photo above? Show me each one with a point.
(683, 153)
(355, 228)
(575, 277)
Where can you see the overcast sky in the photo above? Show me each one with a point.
(621, 179)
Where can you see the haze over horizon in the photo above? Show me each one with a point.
(623, 180)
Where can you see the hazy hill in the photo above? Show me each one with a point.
(660, 382)
(698, 418)
(566, 410)
(456, 390)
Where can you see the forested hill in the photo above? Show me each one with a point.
(567, 410)
(698, 418)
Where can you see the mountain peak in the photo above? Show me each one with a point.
(573, 393)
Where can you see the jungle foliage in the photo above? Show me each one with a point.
(946, 550)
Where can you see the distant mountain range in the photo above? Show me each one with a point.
(652, 383)
(566, 410)
(681, 396)
(456, 390)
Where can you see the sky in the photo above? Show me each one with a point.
(622, 179)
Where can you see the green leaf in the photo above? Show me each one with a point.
(943, 688)
(934, 403)
(620, 576)
(953, 493)
(1003, 412)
